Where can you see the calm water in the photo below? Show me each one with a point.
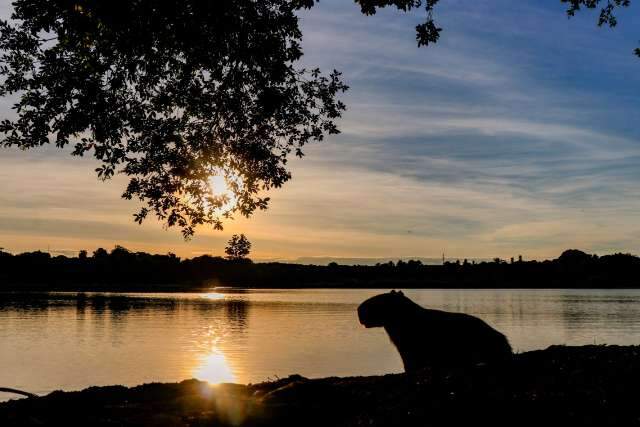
(70, 341)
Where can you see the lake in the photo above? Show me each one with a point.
(70, 341)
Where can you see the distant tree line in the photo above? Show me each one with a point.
(122, 269)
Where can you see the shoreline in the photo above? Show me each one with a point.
(581, 385)
(123, 270)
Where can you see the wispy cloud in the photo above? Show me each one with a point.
(517, 133)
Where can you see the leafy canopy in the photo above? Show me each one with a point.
(171, 93)
(606, 17)
(428, 32)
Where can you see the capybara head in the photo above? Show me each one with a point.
(378, 310)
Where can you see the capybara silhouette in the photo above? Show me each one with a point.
(433, 338)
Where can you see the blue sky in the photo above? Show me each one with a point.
(516, 134)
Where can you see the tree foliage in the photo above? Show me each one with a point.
(168, 93)
(426, 32)
(606, 16)
(238, 247)
(429, 32)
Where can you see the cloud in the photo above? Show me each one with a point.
(501, 139)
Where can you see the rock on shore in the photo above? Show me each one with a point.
(570, 386)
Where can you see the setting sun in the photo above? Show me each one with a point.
(219, 187)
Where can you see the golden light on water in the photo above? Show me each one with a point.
(214, 369)
(213, 296)
(211, 364)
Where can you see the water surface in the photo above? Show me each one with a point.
(70, 341)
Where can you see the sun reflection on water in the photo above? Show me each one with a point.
(213, 295)
(214, 368)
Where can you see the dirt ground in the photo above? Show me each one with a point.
(572, 386)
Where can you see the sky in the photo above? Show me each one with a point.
(516, 134)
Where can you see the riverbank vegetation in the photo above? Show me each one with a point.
(123, 270)
(572, 386)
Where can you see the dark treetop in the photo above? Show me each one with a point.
(238, 247)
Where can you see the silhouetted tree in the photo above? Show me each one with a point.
(100, 253)
(169, 93)
(238, 247)
(82, 254)
(574, 257)
(428, 32)
(120, 251)
(606, 16)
